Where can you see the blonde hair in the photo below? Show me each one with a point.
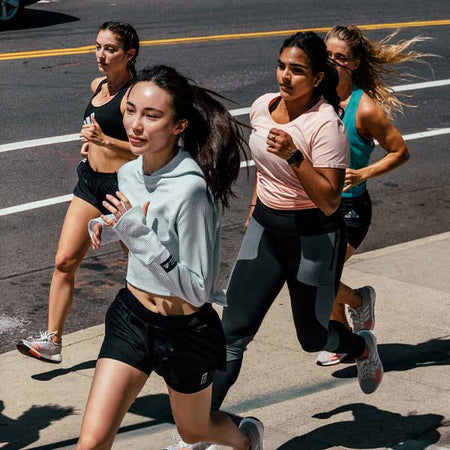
(375, 59)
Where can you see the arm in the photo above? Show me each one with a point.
(253, 201)
(323, 185)
(372, 123)
(189, 278)
(93, 133)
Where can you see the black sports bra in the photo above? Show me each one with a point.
(109, 116)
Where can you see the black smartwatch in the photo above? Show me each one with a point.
(296, 158)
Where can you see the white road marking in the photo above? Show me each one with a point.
(234, 112)
(67, 198)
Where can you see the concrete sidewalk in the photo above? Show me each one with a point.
(303, 406)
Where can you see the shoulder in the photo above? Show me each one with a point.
(96, 82)
(368, 109)
(261, 102)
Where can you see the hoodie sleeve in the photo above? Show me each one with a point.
(191, 276)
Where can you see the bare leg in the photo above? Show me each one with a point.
(113, 390)
(196, 422)
(345, 296)
(73, 244)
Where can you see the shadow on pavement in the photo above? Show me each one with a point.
(35, 18)
(371, 428)
(47, 376)
(23, 431)
(398, 357)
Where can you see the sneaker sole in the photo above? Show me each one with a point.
(29, 351)
(259, 426)
(378, 357)
(332, 363)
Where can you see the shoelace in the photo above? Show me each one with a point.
(357, 318)
(369, 369)
(44, 336)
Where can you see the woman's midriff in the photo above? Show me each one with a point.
(103, 160)
(164, 305)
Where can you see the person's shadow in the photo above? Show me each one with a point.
(23, 431)
(371, 428)
(435, 352)
(49, 375)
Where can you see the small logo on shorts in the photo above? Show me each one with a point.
(204, 378)
(169, 264)
(351, 215)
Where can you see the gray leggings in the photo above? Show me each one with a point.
(306, 250)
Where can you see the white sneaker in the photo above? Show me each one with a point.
(363, 318)
(329, 358)
(181, 445)
(370, 369)
(254, 429)
(42, 348)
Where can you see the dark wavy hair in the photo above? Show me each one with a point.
(129, 39)
(316, 50)
(213, 137)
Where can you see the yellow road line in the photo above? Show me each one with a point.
(218, 37)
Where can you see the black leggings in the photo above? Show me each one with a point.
(305, 249)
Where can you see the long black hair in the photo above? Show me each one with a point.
(129, 39)
(213, 137)
(316, 51)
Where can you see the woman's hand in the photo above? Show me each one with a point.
(250, 214)
(96, 237)
(93, 133)
(280, 143)
(117, 206)
(353, 177)
(85, 149)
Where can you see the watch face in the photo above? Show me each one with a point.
(295, 157)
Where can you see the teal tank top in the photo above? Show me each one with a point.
(360, 149)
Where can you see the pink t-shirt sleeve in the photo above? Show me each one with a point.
(330, 147)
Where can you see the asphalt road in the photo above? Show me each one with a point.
(46, 96)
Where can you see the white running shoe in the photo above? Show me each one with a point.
(42, 348)
(363, 318)
(254, 429)
(329, 358)
(370, 369)
(181, 445)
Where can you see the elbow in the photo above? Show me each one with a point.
(330, 206)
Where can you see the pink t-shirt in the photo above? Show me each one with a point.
(318, 133)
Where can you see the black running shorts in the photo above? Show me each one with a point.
(93, 186)
(357, 212)
(184, 350)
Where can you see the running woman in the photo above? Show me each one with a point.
(369, 107)
(106, 148)
(295, 233)
(166, 212)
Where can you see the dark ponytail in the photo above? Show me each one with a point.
(213, 137)
(128, 38)
(316, 50)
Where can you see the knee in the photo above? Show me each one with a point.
(237, 347)
(313, 344)
(91, 442)
(66, 264)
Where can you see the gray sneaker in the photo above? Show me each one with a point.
(363, 318)
(370, 369)
(42, 348)
(254, 429)
(181, 445)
